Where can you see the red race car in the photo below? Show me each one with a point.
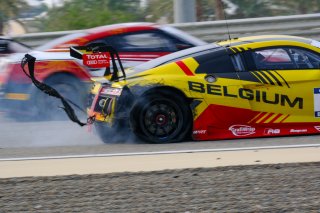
(135, 42)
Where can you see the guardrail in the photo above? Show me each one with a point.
(298, 25)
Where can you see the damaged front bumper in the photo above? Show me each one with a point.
(102, 103)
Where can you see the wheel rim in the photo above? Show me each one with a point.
(161, 119)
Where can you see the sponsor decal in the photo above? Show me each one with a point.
(96, 60)
(248, 94)
(317, 128)
(242, 130)
(269, 131)
(111, 91)
(199, 132)
(316, 100)
(298, 130)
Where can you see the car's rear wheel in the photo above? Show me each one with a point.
(116, 134)
(161, 118)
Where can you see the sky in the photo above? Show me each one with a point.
(50, 3)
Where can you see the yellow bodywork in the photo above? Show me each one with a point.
(296, 100)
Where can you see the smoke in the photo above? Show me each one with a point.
(52, 133)
(115, 135)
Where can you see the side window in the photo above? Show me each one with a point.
(144, 42)
(237, 63)
(147, 41)
(275, 58)
(215, 62)
(305, 59)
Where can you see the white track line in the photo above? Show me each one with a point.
(162, 152)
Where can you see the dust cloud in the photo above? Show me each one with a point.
(15, 134)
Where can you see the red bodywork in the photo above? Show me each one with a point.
(225, 128)
(102, 32)
(49, 66)
(53, 58)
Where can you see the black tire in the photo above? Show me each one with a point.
(49, 108)
(104, 132)
(161, 118)
(117, 134)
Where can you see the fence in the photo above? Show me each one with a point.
(298, 25)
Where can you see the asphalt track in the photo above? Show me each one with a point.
(259, 187)
(36, 139)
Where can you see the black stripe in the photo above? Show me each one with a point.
(235, 49)
(267, 77)
(248, 76)
(274, 77)
(261, 78)
(242, 49)
(195, 103)
(282, 78)
(256, 77)
(229, 51)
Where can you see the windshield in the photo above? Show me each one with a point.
(60, 40)
(174, 57)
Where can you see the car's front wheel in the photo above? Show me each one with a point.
(161, 118)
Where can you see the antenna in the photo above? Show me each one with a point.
(225, 18)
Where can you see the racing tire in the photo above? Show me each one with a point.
(161, 118)
(112, 135)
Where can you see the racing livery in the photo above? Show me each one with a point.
(135, 42)
(246, 87)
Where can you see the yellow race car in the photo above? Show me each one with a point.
(246, 87)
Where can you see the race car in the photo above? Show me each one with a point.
(135, 42)
(246, 87)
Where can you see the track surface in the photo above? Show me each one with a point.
(39, 139)
(257, 188)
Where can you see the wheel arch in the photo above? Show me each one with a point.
(61, 74)
(167, 90)
(178, 97)
(68, 77)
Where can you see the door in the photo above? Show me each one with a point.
(283, 85)
(217, 79)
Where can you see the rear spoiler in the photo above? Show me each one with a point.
(100, 57)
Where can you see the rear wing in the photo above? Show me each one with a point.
(100, 57)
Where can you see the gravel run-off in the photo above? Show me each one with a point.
(258, 188)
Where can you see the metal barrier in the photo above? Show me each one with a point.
(299, 25)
